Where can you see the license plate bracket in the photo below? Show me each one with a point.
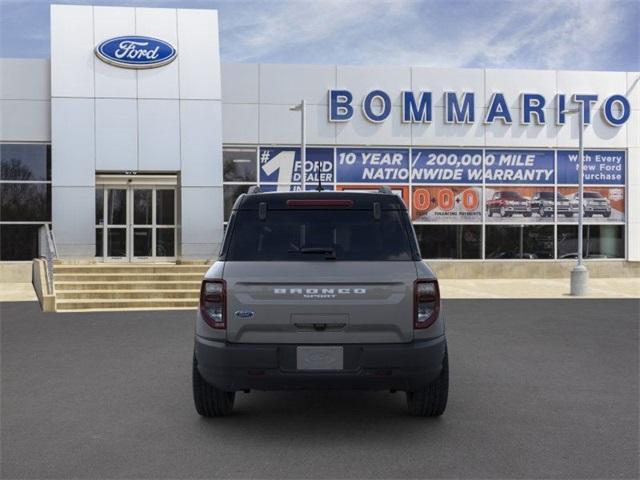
(319, 358)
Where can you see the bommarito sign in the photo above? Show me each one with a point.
(460, 108)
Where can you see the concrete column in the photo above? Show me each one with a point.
(201, 197)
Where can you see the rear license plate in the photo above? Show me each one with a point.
(319, 358)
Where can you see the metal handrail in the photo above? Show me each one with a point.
(50, 252)
(52, 241)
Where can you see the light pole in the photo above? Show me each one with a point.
(580, 274)
(303, 139)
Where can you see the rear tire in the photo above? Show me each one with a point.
(210, 401)
(432, 401)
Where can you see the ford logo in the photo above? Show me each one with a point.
(134, 51)
(244, 314)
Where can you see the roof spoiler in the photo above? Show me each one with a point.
(253, 189)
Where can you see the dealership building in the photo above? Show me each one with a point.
(132, 142)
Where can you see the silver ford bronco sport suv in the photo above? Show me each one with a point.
(320, 290)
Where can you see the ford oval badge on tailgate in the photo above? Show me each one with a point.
(244, 314)
(134, 51)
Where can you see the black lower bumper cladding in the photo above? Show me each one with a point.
(232, 366)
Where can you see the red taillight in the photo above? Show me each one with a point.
(426, 303)
(212, 303)
(320, 203)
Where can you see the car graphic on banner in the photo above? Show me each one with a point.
(506, 203)
(601, 204)
(545, 203)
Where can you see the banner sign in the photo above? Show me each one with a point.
(601, 204)
(283, 165)
(523, 204)
(372, 165)
(439, 166)
(310, 187)
(600, 167)
(518, 166)
(447, 204)
(434, 165)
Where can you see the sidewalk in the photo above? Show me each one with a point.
(17, 292)
(537, 288)
(450, 288)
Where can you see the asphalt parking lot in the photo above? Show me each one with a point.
(539, 389)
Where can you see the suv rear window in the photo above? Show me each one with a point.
(335, 234)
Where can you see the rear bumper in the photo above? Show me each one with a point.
(408, 366)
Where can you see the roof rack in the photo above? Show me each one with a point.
(385, 189)
(253, 189)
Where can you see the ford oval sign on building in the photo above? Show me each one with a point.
(135, 51)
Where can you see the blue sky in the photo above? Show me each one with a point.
(546, 34)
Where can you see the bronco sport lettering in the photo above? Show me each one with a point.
(320, 291)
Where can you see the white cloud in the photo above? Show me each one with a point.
(551, 34)
(527, 34)
(253, 30)
(555, 34)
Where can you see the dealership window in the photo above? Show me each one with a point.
(598, 241)
(25, 198)
(18, 241)
(529, 242)
(25, 162)
(450, 241)
(25, 202)
(239, 164)
(494, 207)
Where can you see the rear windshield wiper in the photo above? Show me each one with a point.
(330, 253)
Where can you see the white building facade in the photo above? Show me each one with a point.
(143, 164)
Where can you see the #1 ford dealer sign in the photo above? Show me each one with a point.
(134, 51)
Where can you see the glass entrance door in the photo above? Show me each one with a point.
(164, 214)
(142, 223)
(136, 223)
(115, 230)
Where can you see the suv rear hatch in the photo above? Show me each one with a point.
(323, 272)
